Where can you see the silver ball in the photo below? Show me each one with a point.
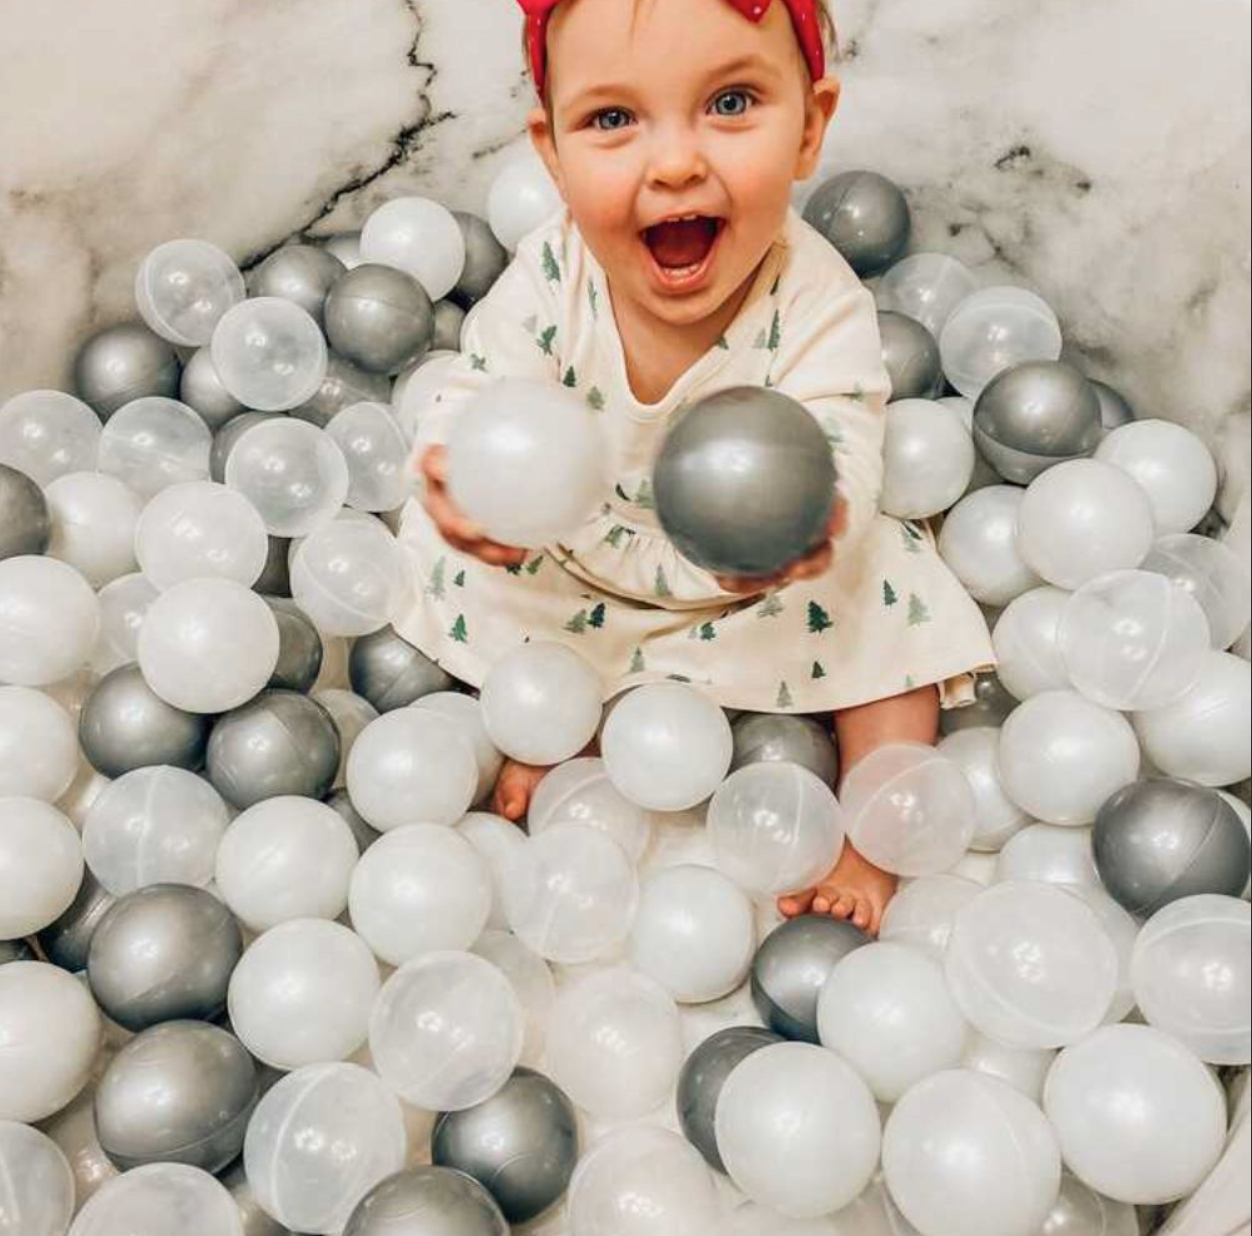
(911, 356)
(182, 1092)
(380, 318)
(486, 259)
(25, 524)
(16, 950)
(1115, 408)
(125, 362)
(865, 216)
(427, 1201)
(201, 388)
(300, 273)
(226, 437)
(385, 669)
(768, 738)
(66, 942)
(991, 707)
(275, 580)
(300, 649)
(449, 318)
(252, 1219)
(364, 834)
(345, 384)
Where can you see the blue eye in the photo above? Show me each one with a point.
(611, 120)
(732, 103)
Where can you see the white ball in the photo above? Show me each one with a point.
(926, 287)
(499, 843)
(929, 459)
(798, 1130)
(992, 330)
(411, 767)
(93, 525)
(49, 621)
(124, 604)
(377, 452)
(1080, 1211)
(1081, 519)
(420, 889)
(542, 703)
(967, 1155)
(1023, 1068)
(183, 287)
(154, 442)
(421, 238)
(414, 398)
(979, 542)
(47, 434)
(1050, 854)
(580, 792)
(350, 577)
(997, 818)
(1027, 643)
(1139, 1118)
(1062, 757)
(522, 196)
(160, 1197)
(38, 745)
(41, 866)
(753, 1220)
(1214, 575)
(302, 994)
(39, 1186)
(532, 983)
(465, 713)
(270, 354)
(208, 645)
(922, 913)
(667, 747)
(1123, 930)
(1172, 464)
(615, 1044)
(283, 859)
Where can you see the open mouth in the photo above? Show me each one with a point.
(682, 249)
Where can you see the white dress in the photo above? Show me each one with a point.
(887, 618)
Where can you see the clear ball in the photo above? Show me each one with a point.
(93, 525)
(39, 1186)
(1023, 1068)
(1214, 575)
(377, 454)
(421, 238)
(927, 287)
(1123, 930)
(532, 982)
(979, 542)
(499, 843)
(124, 604)
(155, 442)
(465, 713)
(580, 792)
(183, 288)
(997, 818)
(38, 746)
(158, 1199)
(522, 196)
(1080, 1211)
(929, 459)
(41, 866)
(1027, 643)
(922, 913)
(349, 577)
(993, 330)
(49, 621)
(47, 434)
(414, 398)
(270, 354)
(1050, 854)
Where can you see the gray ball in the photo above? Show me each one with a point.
(1115, 408)
(705, 1074)
(66, 942)
(745, 483)
(125, 725)
(427, 1201)
(380, 318)
(768, 738)
(275, 580)
(991, 707)
(300, 273)
(163, 953)
(16, 950)
(280, 743)
(125, 362)
(300, 649)
(201, 388)
(486, 259)
(226, 437)
(449, 318)
(364, 833)
(521, 1145)
(1159, 840)
(252, 1219)
(345, 384)
(791, 968)
(865, 216)
(911, 356)
(390, 673)
(1036, 415)
(25, 524)
(182, 1092)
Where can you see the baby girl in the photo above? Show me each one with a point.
(677, 268)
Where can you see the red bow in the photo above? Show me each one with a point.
(803, 17)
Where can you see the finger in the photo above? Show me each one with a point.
(450, 522)
(498, 555)
(434, 464)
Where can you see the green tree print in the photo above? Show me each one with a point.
(771, 607)
(819, 671)
(546, 339)
(534, 566)
(775, 332)
(889, 595)
(460, 631)
(616, 535)
(595, 397)
(593, 299)
(571, 378)
(913, 538)
(437, 588)
(478, 363)
(459, 580)
(551, 268)
(661, 585)
(819, 620)
(597, 617)
(644, 497)
(919, 614)
(785, 698)
(577, 625)
(637, 663)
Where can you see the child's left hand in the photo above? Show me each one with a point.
(809, 567)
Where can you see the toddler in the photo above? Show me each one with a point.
(675, 130)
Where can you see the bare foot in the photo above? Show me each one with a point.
(514, 789)
(855, 890)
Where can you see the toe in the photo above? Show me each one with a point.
(863, 915)
(795, 906)
(844, 907)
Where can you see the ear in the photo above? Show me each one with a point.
(819, 111)
(543, 139)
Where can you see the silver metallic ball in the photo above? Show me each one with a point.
(1115, 408)
(486, 259)
(300, 273)
(25, 524)
(364, 834)
(275, 580)
(768, 738)
(380, 318)
(16, 950)
(865, 216)
(427, 1201)
(345, 384)
(385, 669)
(66, 942)
(226, 437)
(990, 709)
(911, 356)
(201, 388)
(449, 318)
(300, 649)
(125, 362)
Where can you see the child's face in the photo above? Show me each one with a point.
(673, 108)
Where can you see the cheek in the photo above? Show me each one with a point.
(601, 193)
(758, 171)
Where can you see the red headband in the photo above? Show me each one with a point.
(803, 18)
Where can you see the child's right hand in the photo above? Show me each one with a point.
(461, 533)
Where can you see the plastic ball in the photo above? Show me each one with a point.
(1031, 966)
(967, 1155)
(1138, 1117)
(615, 1044)
(799, 1130)
(66, 941)
(521, 197)
(1050, 854)
(753, 1220)
(991, 706)
(39, 1186)
(255, 1221)
(997, 818)
(16, 950)
(911, 356)
(93, 525)
(379, 318)
(531, 980)
(464, 713)
(344, 386)
(580, 792)
(49, 621)
(153, 443)
(485, 259)
(201, 389)
(1062, 757)
(349, 577)
(227, 437)
(778, 738)
(458, 1204)
(376, 451)
(302, 994)
(993, 330)
(419, 237)
(319, 1141)
(1081, 1212)
(1115, 408)
(1083, 519)
(38, 745)
(345, 246)
(73, 1129)
(446, 1031)
(183, 288)
(124, 362)
(300, 649)
(390, 673)
(929, 459)
(1213, 575)
(1027, 643)
(926, 287)
(303, 274)
(48, 434)
(449, 325)
(865, 216)
(1123, 930)
(414, 397)
(1172, 464)
(269, 353)
(667, 747)
(922, 913)
(208, 645)
(979, 541)
(123, 606)
(350, 715)
(25, 523)
(160, 1198)
(41, 866)
(1023, 1068)
(528, 462)
(775, 829)
(154, 826)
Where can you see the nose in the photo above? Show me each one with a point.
(677, 158)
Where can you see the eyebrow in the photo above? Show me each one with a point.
(750, 63)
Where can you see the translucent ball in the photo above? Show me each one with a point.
(270, 354)
(93, 525)
(929, 457)
(377, 454)
(38, 745)
(1023, 1068)
(580, 792)
(542, 703)
(318, 1142)
(47, 434)
(754, 1220)
(41, 866)
(775, 828)
(522, 196)
(1139, 1118)
(413, 399)
(997, 817)
(695, 933)
(208, 645)
(421, 238)
(667, 747)
(39, 1192)
(447, 1031)
(965, 1153)
(572, 894)
(420, 889)
(157, 1199)
(979, 542)
(292, 472)
(1080, 1211)
(1082, 519)
(1193, 976)
(922, 913)
(643, 1182)
(532, 982)
(499, 844)
(1050, 854)
(910, 809)
(1214, 575)
(1027, 643)
(615, 1044)
(286, 858)
(1175, 468)
(1063, 756)
(124, 604)
(49, 621)
(993, 330)
(349, 577)
(155, 442)
(411, 767)
(798, 1130)
(183, 288)
(1123, 930)
(1031, 966)
(302, 994)
(927, 287)
(154, 826)
(528, 462)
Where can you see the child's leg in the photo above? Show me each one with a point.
(856, 889)
(515, 787)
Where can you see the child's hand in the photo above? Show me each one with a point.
(461, 533)
(809, 567)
